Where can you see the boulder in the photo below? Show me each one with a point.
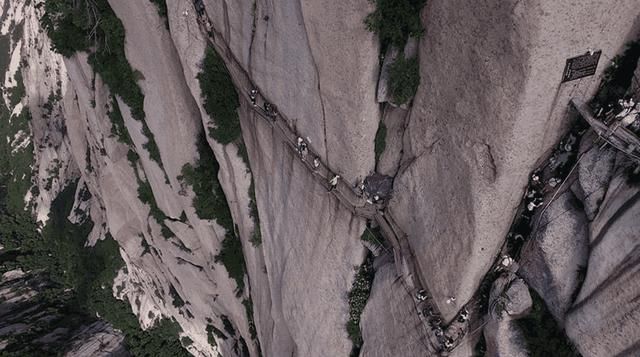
(509, 300)
(605, 317)
(557, 253)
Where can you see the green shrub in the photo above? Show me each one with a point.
(118, 128)
(210, 338)
(186, 341)
(212, 330)
(617, 77)
(373, 235)
(226, 323)
(395, 20)
(220, 98)
(404, 78)
(145, 194)
(16, 93)
(380, 142)
(177, 300)
(248, 308)
(543, 335)
(80, 278)
(15, 165)
(152, 147)
(358, 296)
(92, 26)
(256, 236)
(232, 258)
(162, 10)
(210, 201)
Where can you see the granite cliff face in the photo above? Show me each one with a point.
(489, 108)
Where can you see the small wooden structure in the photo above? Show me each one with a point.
(614, 133)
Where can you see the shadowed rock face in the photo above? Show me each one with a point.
(489, 104)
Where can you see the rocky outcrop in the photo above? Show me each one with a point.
(556, 257)
(461, 153)
(390, 322)
(604, 318)
(509, 300)
(482, 120)
(97, 339)
(596, 167)
(49, 328)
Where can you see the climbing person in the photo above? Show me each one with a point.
(535, 203)
(464, 315)
(568, 145)
(506, 261)
(451, 300)
(333, 183)
(299, 143)
(253, 94)
(535, 178)
(316, 162)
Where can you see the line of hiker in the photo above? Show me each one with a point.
(375, 189)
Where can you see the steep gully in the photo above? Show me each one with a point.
(442, 337)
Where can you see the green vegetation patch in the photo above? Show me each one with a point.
(177, 300)
(118, 128)
(17, 93)
(145, 194)
(395, 20)
(543, 335)
(92, 26)
(256, 236)
(248, 307)
(162, 10)
(618, 76)
(373, 235)
(404, 78)
(210, 201)
(212, 330)
(15, 162)
(231, 257)
(380, 142)
(220, 98)
(226, 323)
(358, 296)
(80, 277)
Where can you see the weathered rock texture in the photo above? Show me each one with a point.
(24, 316)
(558, 252)
(605, 316)
(484, 113)
(509, 300)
